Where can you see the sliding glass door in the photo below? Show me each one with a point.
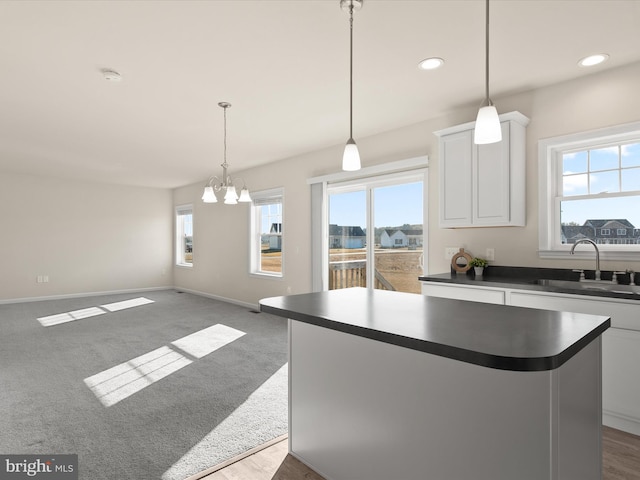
(375, 233)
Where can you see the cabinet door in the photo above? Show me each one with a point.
(491, 181)
(455, 179)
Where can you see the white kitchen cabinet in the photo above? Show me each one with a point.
(620, 343)
(620, 350)
(470, 294)
(483, 185)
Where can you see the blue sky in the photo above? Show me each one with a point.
(602, 170)
(394, 206)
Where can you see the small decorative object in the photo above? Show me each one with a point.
(461, 261)
(478, 265)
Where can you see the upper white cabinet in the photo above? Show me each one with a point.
(483, 185)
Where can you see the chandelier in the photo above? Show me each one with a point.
(224, 184)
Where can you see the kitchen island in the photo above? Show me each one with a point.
(388, 385)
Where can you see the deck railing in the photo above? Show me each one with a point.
(353, 273)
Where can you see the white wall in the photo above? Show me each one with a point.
(99, 238)
(221, 231)
(86, 237)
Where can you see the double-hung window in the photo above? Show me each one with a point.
(184, 235)
(267, 244)
(590, 189)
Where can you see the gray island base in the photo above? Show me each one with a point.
(387, 385)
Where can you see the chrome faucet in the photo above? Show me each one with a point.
(586, 240)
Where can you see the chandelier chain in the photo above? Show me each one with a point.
(225, 136)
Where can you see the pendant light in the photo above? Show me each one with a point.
(226, 184)
(351, 156)
(488, 128)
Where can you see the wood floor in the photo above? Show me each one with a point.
(621, 461)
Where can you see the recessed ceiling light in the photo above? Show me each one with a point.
(431, 63)
(592, 60)
(111, 75)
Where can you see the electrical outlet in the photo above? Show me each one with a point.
(490, 254)
(449, 252)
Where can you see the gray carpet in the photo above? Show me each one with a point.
(217, 405)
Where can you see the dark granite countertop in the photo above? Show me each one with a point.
(526, 278)
(495, 336)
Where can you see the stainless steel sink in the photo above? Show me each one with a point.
(591, 285)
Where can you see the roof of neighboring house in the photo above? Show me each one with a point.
(346, 231)
(276, 228)
(623, 222)
(406, 231)
(591, 229)
(577, 232)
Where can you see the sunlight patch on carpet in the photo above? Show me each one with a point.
(134, 302)
(70, 316)
(117, 383)
(262, 417)
(59, 318)
(208, 340)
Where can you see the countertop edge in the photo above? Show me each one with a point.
(519, 364)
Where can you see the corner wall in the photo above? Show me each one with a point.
(86, 237)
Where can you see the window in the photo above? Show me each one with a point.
(370, 224)
(184, 235)
(354, 213)
(267, 245)
(589, 184)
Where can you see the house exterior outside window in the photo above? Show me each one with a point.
(589, 184)
(267, 241)
(184, 236)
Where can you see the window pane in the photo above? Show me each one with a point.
(574, 162)
(184, 236)
(631, 155)
(604, 158)
(630, 179)
(589, 217)
(270, 238)
(398, 237)
(575, 185)
(604, 182)
(347, 240)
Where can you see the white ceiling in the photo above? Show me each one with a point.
(283, 65)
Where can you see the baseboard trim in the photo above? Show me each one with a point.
(237, 458)
(131, 290)
(218, 297)
(621, 422)
(80, 295)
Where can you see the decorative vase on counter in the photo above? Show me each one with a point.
(478, 271)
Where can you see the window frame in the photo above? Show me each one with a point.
(180, 210)
(259, 199)
(550, 153)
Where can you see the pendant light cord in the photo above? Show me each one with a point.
(351, 70)
(487, 55)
